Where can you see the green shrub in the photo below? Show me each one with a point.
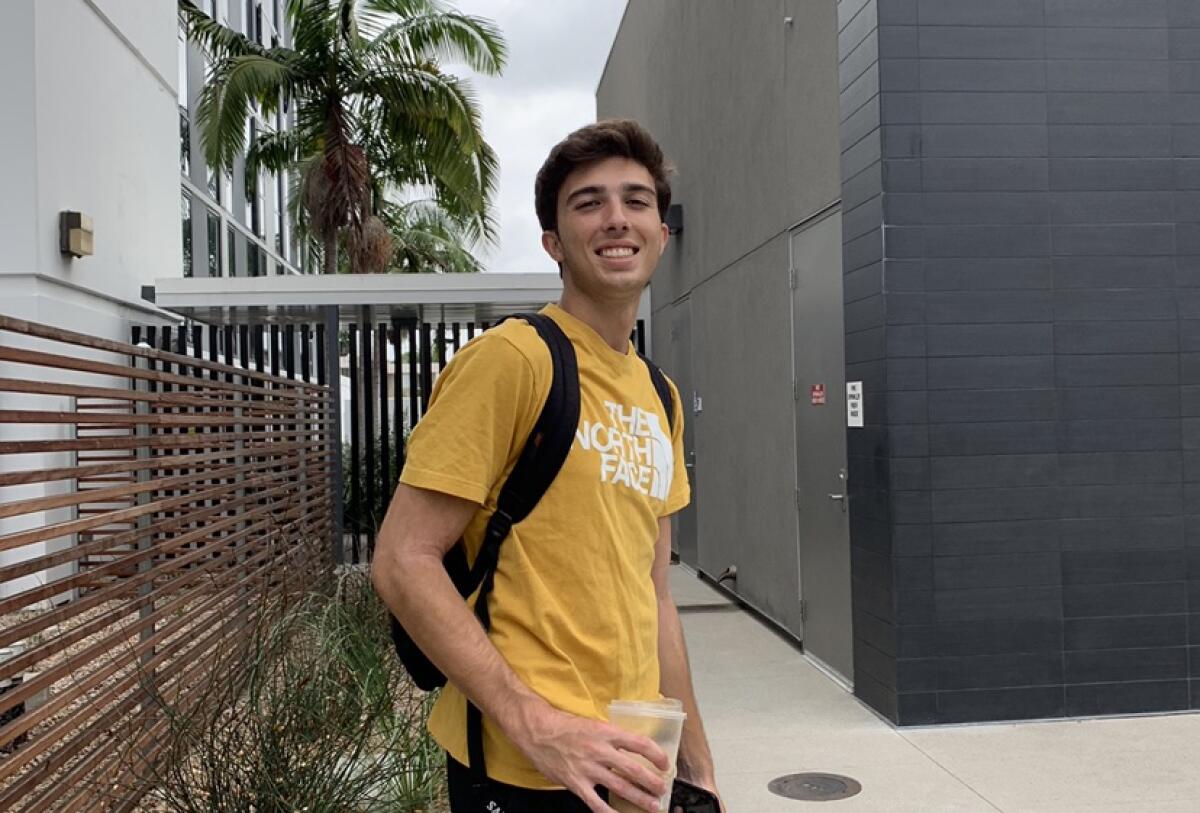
(321, 718)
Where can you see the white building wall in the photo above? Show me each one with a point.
(149, 28)
(18, 143)
(106, 143)
(91, 125)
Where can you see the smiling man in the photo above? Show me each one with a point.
(581, 612)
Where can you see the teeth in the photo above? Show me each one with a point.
(616, 252)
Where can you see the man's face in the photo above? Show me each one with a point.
(609, 235)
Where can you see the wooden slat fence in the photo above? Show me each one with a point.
(153, 505)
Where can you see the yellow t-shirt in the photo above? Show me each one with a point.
(573, 610)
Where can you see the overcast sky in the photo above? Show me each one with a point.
(557, 50)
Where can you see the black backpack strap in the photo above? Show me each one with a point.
(663, 389)
(544, 453)
(541, 459)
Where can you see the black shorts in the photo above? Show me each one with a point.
(497, 797)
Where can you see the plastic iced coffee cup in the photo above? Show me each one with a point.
(661, 721)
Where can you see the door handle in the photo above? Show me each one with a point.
(841, 497)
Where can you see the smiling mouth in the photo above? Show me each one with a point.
(617, 253)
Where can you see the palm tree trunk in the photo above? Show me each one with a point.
(331, 245)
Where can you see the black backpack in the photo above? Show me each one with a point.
(539, 463)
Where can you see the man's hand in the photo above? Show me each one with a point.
(579, 754)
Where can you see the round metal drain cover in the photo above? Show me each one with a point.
(814, 787)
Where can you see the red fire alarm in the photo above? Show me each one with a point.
(818, 394)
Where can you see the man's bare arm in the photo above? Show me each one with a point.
(675, 671)
(408, 574)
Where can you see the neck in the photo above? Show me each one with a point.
(613, 321)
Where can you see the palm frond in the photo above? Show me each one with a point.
(348, 24)
(278, 151)
(413, 92)
(427, 239)
(447, 174)
(445, 37)
(225, 102)
(403, 8)
(314, 27)
(216, 40)
(310, 243)
(463, 182)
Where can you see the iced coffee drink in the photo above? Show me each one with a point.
(660, 720)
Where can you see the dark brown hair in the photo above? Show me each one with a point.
(612, 138)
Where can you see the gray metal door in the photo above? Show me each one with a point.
(683, 531)
(818, 353)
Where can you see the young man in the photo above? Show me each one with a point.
(581, 610)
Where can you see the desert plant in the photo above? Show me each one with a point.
(319, 717)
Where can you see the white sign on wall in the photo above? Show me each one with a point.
(854, 403)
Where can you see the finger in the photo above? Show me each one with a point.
(593, 801)
(641, 745)
(638, 772)
(645, 798)
(643, 789)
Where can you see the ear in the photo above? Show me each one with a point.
(666, 235)
(553, 246)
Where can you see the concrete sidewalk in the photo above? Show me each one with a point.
(770, 712)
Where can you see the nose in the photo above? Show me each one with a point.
(615, 219)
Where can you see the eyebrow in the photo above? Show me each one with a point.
(596, 189)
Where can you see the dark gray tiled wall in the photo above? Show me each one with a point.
(867, 338)
(1027, 326)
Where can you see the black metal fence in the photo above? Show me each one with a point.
(294, 350)
(382, 385)
(391, 370)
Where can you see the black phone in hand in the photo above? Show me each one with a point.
(689, 798)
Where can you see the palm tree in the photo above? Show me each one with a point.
(375, 118)
(426, 237)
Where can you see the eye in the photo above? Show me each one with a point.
(588, 204)
(638, 203)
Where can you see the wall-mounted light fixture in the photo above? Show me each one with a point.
(75, 234)
(674, 218)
